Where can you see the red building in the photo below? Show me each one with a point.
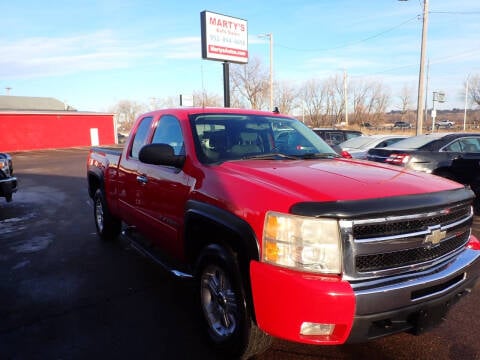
(28, 123)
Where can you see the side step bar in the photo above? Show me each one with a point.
(142, 249)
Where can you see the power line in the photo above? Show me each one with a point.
(456, 12)
(380, 33)
(437, 61)
(353, 43)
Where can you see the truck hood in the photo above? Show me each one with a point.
(329, 179)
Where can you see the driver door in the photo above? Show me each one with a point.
(164, 191)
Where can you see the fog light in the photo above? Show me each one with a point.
(315, 329)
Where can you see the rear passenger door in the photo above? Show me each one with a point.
(129, 200)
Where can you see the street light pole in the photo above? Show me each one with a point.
(270, 37)
(345, 97)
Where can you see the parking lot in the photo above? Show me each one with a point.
(66, 295)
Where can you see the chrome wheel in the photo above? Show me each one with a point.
(108, 226)
(99, 214)
(218, 301)
(224, 307)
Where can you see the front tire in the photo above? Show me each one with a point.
(108, 226)
(226, 315)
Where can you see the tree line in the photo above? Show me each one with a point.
(318, 102)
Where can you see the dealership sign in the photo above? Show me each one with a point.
(224, 38)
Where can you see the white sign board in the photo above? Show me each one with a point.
(224, 38)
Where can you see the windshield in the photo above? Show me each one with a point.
(222, 137)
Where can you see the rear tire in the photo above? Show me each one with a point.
(108, 226)
(226, 315)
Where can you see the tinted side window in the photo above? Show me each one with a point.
(453, 147)
(169, 132)
(334, 138)
(140, 138)
(470, 145)
(351, 134)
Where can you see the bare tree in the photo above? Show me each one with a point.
(335, 99)
(474, 89)
(286, 97)
(324, 101)
(203, 98)
(250, 83)
(405, 102)
(313, 94)
(127, 111)
(370, 101)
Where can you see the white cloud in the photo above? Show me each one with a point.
(57, 56)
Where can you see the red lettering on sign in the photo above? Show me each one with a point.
(227, 24)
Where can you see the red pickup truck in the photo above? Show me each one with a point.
(283, 237)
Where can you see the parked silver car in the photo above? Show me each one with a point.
(359, 146)
(444, 124)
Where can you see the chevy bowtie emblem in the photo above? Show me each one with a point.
(435, 237)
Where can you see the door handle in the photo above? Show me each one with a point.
(142, 179)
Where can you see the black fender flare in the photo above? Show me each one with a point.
(95, 180)
(246, 236)
(243, 240)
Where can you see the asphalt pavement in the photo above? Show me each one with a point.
(66, 295)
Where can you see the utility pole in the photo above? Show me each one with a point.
(425, 113)
(421, 75)
(466, 104)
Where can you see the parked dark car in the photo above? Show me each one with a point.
(8, 183)
(367, 125)
(402, 125)
(455, 156)
(336, 136)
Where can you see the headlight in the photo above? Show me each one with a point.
(302, 243)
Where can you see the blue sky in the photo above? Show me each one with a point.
(93, 53)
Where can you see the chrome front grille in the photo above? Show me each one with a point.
(393, 245)
(410, 223)
(398, 259)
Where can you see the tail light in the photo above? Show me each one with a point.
(345, 154)
(398, 159)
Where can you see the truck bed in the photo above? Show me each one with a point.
(111, 150)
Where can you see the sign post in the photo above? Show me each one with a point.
(225, 39)
(438, 96)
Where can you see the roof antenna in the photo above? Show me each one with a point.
(275, 110)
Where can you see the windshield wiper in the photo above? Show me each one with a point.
(319, 156)
(272, 156)
(281, 156)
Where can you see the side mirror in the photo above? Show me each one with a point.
(160, 154)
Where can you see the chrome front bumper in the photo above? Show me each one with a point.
(412, 302)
